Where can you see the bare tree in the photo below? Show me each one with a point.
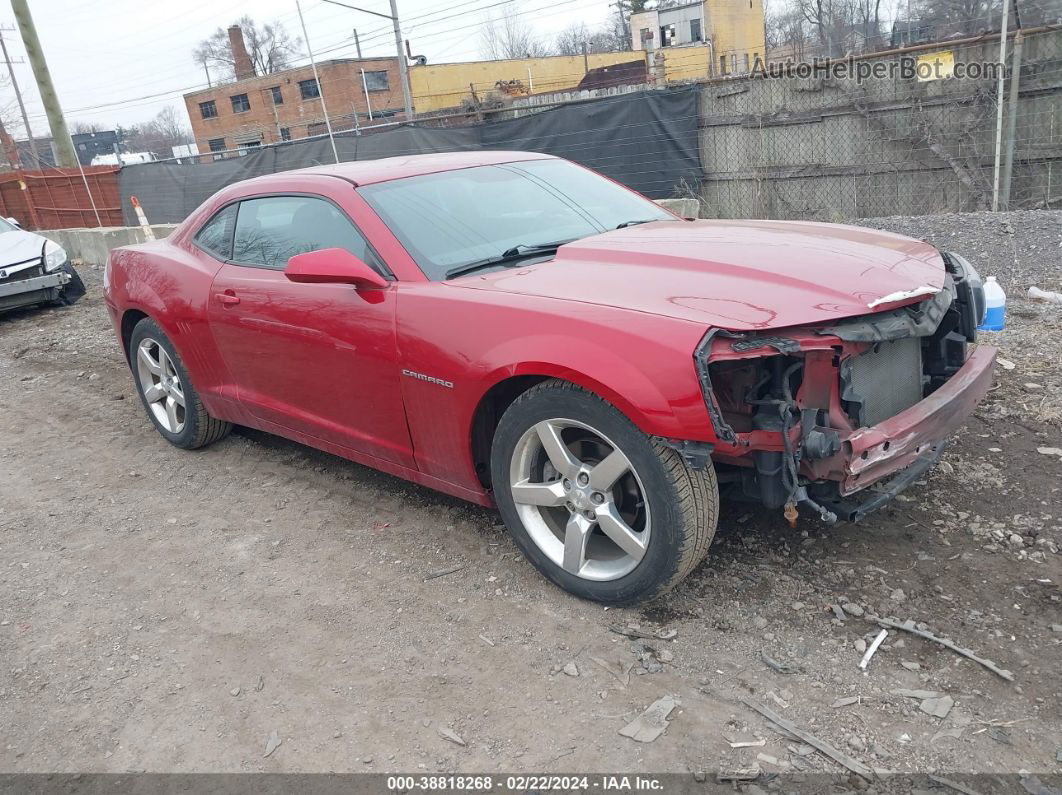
(574, 38)
(169, 126)
(788, 34)
(867, 15)
(84, 127)
(802, 29)
(820, 16)
(269, 45)
(159, 135)
(942, 18)
(617, 31)
(511, 36)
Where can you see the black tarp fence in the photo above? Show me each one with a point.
(647, 140)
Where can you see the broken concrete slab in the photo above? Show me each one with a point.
(937, 707)
(919, 694)
(651, 723)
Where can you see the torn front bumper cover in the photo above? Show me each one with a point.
(904, 446)
(37, 290)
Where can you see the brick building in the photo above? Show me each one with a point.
(264, 109)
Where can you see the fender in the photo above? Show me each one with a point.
(441, 420)
(592, 366)
(178, 306)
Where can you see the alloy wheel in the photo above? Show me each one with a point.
(160, 385)
(580, 499)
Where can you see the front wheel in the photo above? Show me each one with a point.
(601, 509)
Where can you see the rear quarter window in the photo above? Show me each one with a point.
(215, 236)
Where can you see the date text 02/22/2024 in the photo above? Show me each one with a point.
(522, 783)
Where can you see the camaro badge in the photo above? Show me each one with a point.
(429, 379)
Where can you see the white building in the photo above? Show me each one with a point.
(668, 27)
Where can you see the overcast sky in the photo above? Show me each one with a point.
(122, 61)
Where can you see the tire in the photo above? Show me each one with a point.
(662, 511)
(162, 383)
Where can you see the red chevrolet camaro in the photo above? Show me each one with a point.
(519, 331)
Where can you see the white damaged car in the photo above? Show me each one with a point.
(34, 270)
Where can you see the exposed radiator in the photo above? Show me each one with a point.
(887, 379)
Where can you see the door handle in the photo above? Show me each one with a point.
(227, 298)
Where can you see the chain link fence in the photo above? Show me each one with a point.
(909, 132)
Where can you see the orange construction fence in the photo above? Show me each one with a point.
(56, 198)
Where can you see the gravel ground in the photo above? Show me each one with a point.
(170, 611)
(1021, 248)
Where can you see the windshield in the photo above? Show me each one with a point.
(458, 218)
(7, 226)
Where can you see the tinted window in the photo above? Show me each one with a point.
(216, 234)
(272, 230)
(454, 218)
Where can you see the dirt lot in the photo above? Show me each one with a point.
(168, 611)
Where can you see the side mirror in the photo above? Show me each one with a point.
(332, 266)
(14, 221)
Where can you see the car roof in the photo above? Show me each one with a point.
(368, 172)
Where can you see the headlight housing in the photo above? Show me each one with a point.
(54, 256)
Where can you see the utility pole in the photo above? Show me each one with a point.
(21, 108)
(403, 67)
(357, 43)
(999, 106)
(64, 144)
(1012, 117)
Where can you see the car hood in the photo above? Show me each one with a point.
(18, 246)
(739, 275)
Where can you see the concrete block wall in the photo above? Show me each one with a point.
(93, 245)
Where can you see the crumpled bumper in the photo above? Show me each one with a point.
(26, 292)
(888, 448)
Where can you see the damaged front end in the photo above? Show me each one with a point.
(48, 278)
(815, 415)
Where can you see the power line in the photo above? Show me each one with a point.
(344, 44)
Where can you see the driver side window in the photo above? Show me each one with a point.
(271, 230)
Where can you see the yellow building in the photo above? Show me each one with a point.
(439, 86)
(701, 39)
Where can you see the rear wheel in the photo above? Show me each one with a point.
(167, 392)
(600, 508)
